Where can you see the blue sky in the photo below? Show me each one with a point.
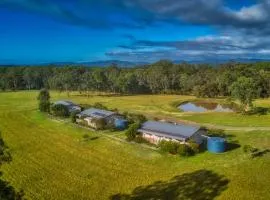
(40, 31)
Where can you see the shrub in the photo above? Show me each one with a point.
(100, 106)
(135, 118)
(258, 111)
(194, 147)
(140, 139)
(185, 150)
(131, 132)
(73, 117)
(44, 106)
(168, 146)
(216, 133)
(60, 110)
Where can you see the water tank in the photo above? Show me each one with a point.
(120, 124)
(216, 144)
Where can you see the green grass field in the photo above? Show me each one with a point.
(52, 161)
(165, 106)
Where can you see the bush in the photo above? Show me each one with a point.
(100, 106)
(216, 133)
(140, 139)
(185, 150)
(168, 146)
(180, 149)
(44, 106)
(73, 117)
(60, 110)
(258, 111)
(194, 147)
(135, 118)
(131, 132)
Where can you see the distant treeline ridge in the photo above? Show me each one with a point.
(162, 77)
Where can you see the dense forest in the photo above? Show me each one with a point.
(160, 77)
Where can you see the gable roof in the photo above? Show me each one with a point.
(162, 129)
(97, 113)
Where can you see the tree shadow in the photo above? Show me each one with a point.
(94, 138)
(199, 185)
(7, 192)
(260, 153)
(87, 138)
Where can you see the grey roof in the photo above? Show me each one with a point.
(65, 103)
(97, 113)
(163, 129)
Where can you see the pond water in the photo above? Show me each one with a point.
(204, 107)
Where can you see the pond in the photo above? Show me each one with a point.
(204, 107)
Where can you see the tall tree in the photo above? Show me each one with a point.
(44, 100)
(244, 89)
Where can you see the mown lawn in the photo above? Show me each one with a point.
(52, 161)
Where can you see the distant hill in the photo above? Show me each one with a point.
(101, 63)
(221, 61)
(106, 63)
(127, 64)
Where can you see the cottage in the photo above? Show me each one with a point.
(96, 118)
(70, 105)
(154, 132)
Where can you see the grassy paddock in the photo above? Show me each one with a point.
(52, 161)
(151, 105)
(166, 105)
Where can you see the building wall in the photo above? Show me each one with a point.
(151, 138)
(154, 139)
(90, 122)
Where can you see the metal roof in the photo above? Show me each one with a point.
(64, 102)
(163, 129)
(97, 113)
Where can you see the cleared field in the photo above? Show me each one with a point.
(51, 160)
(150, 105)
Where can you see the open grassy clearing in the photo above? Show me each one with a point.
(165, 105)
(51, 160)
(152, 105)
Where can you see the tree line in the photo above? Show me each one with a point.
(162, 77)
